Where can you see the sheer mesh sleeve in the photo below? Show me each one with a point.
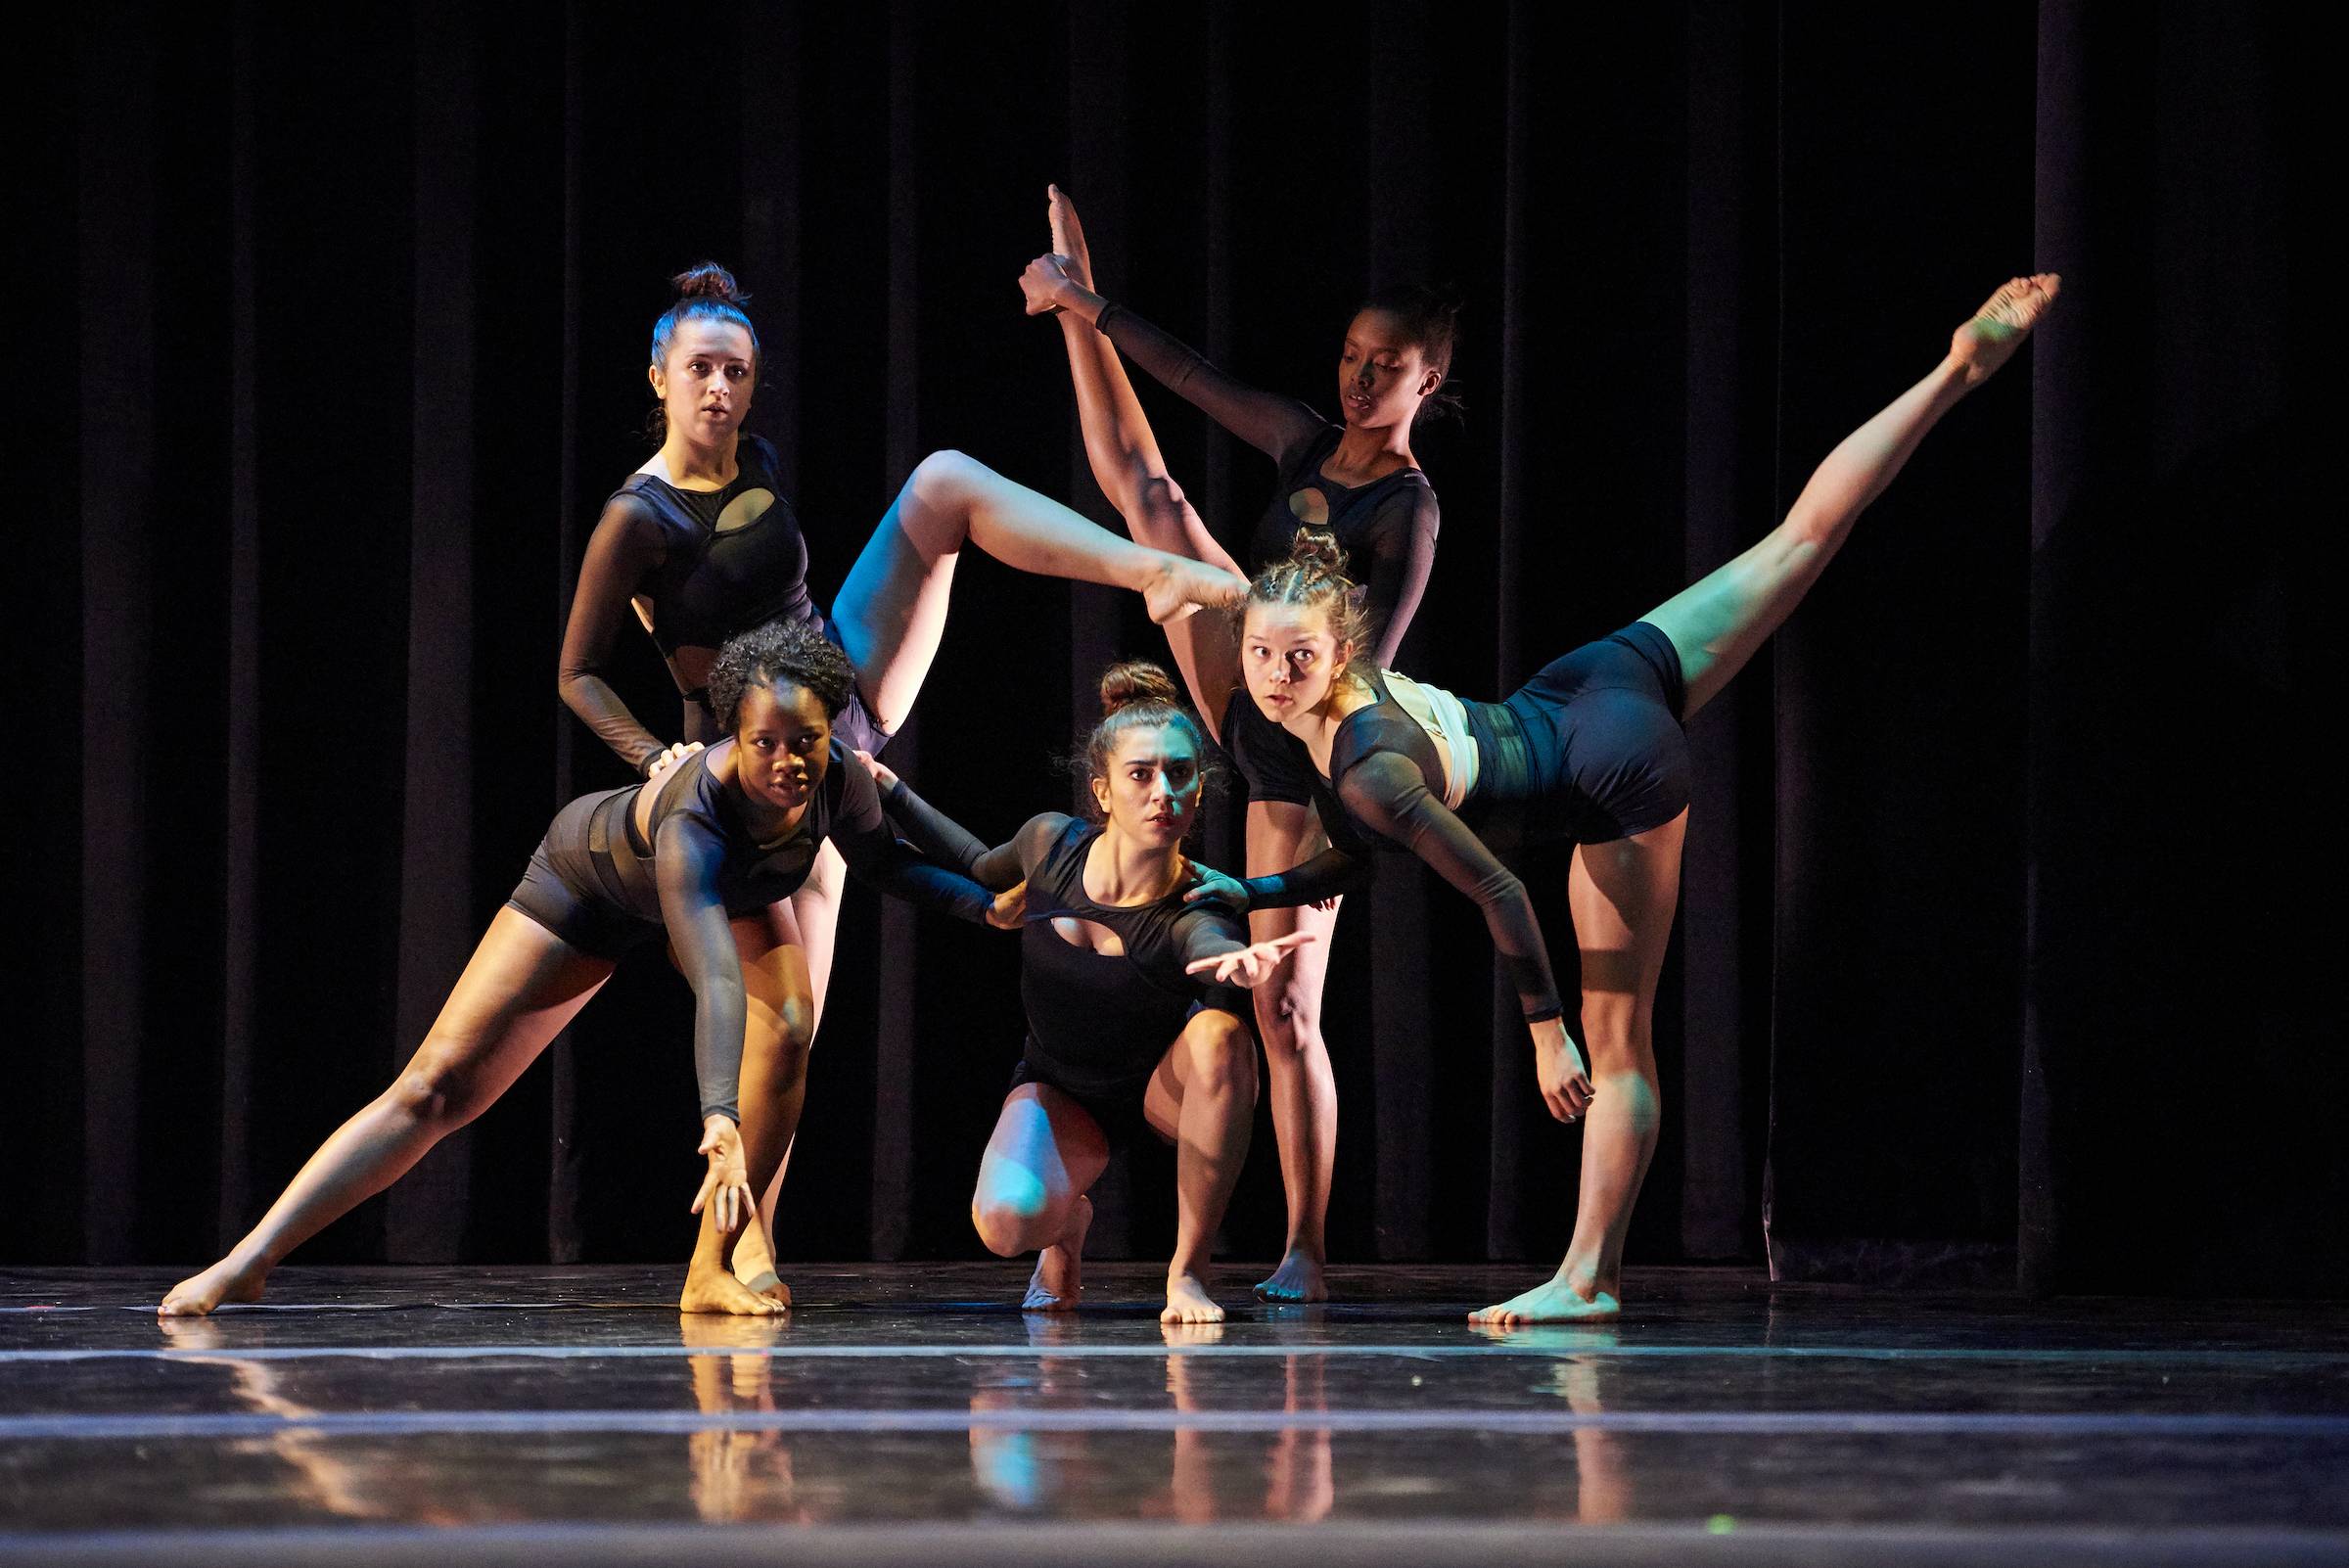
(625, 548)
(1271, 424)
(1388, 793)
(874, 853)
(1209, 930)
(1403, 552)
(688, 850)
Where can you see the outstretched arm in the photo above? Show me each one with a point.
(873, 852)
(1387, 792)
(623, 551)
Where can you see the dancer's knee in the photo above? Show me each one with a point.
(1619, 1032)
(1013, 1213)
(440, 1088)
(1288, 1014)
(1220, 1056)
(945, 476)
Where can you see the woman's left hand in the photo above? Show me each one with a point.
(1251, 966)
(1009, 912)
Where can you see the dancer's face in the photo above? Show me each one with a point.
(1152, 791)
(705, 385)
(1382, 376)
(782, 739)
(1290, 656)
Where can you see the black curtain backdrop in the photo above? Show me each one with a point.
(1998, 956)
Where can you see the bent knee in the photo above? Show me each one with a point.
(944, 470)
(1619, 1032)
(1220, 1052)
(1159, 493)
(1012, 1213)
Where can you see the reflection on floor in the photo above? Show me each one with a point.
(908, 1413)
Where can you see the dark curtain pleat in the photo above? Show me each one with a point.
(566, 1225)
(1732, 293)
(2179, 616)
(1898, 810)
(241, 928)
(117, 327)
(426, 1212)
(897, 965)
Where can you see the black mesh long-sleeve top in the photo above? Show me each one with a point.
(1385, 789)
(694, 864)
(1386, 526)
(707, 564)
(1048, 852)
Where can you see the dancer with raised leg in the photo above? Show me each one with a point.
(1590, 750)
(1358, 482)
(702, 853)
(1136, 1019)
(699, 544)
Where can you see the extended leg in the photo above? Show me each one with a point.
(1123, 450)
(1623, 895)
(1203, 1099)
(1717, 624)
(521, 986)
(1045, 1155)
(893, 608)
(1304, 1089)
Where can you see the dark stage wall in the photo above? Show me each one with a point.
(1991, 953)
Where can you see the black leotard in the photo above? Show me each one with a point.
(1098, 1024)
(712, 563)
(603, 887)
(1587, 751)
(1386, 526)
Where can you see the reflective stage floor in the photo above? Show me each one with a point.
(908, 1414)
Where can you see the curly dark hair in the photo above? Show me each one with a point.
(791, 651)
(1137, 694)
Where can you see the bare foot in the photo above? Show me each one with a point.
(1553, 1301)
(1298, 1278)
(1183, 586)
(196, 1294)
(2000, 327)
(1058, 1284)
(710, 1289)
(1068, 237)
(1187, 1303)
(754, 1263)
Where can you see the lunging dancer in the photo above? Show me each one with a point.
(1136, 1021)
(703, 854)
(1590, 750)
(1358, 482)
(701, 543)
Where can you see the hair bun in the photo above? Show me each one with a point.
(709, 281)
(1136, 680)
(1310, 547)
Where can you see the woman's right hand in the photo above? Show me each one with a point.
(1048, 286)
(728, 1181)
(885, 778)
(1209, 883)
